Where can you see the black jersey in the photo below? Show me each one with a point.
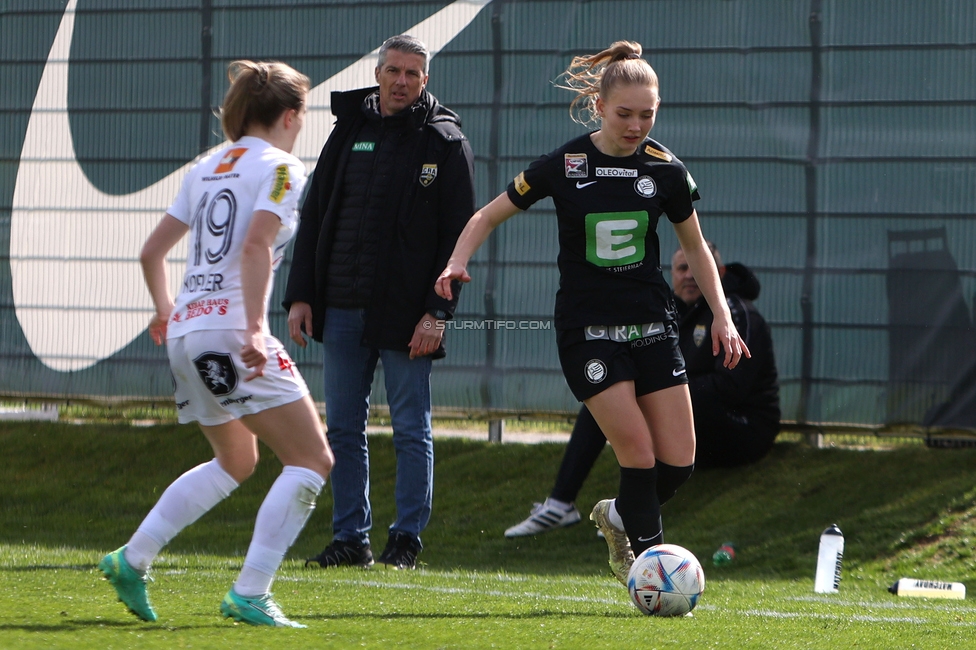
(608, 208)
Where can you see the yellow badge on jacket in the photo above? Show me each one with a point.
(427, 174)
(699, 335)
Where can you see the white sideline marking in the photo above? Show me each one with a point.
(863, 618)
(624, 601)
(911, 603)
(493, 592)
(767, 613)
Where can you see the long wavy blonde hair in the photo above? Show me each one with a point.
(596, 75)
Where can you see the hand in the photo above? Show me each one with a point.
(427, 336)
(157, 325)
(725, 336)
(299, 317)
(254, 354)
(453, 271)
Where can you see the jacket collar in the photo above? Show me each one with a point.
(349, 103)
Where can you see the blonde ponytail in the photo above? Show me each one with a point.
(597, 75)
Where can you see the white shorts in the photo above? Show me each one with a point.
(209, 377)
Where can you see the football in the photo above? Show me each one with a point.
(666, 580)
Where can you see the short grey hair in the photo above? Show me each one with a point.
(712, 248)
(406, 44)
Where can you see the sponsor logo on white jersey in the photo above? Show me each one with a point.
(229, 160)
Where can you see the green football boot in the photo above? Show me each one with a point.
(255, 611)
(130, 585)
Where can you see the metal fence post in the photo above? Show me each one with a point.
(495, 430)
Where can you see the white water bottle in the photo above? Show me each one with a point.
(828, 561)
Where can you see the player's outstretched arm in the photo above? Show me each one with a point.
(724, 335)
(480, 225)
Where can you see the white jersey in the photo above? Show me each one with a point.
(217, 201)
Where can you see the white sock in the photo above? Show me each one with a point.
(614, 516)
(282, 516)
(184, 501)
(556, 503)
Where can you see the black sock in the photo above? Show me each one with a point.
(670, 478)
(639, 508)
(582, 450)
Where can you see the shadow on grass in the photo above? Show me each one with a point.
(48, 567)
(72, 625)
(88, 487)
(78, 625)
(547, 614)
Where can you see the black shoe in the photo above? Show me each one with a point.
(343, 553)
(401, 551)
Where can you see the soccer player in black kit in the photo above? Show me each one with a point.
(614, 314)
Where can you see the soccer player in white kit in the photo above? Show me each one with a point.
(232, 377)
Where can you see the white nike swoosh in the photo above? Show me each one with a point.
(580, 186)
(678, 373)
(77, 286)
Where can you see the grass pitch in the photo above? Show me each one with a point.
(71, 493)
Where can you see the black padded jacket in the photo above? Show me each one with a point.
(432, 195)
(752, 388)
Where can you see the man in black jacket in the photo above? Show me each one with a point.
(736, 410)
(391, 192)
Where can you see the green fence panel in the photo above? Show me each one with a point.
(833, 143)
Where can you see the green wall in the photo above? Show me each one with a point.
(815, 129)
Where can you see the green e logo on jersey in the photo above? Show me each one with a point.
(615, 238)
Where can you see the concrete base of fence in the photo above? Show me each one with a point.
(47, 412)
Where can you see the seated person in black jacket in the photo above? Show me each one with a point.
(736, 411)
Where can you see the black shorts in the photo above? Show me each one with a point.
(593, 361)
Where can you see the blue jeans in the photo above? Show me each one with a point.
(349, 371)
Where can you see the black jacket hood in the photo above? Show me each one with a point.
(426, 110)
(739, 280)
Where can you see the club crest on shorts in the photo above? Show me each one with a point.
(595, 371)
(217, 372)
(427, 174)
(699, 335)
